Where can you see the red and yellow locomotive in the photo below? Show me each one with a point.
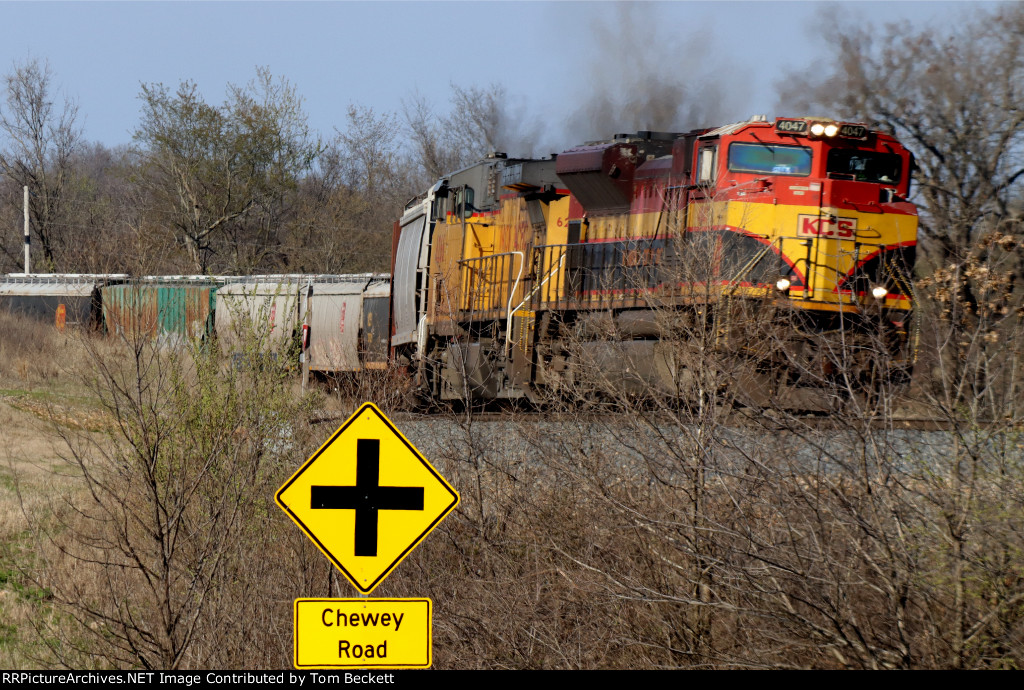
(785, 247)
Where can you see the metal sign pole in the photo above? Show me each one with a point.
(27, 239)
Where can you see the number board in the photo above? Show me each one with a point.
(791, 126)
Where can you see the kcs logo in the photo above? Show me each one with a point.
(826, 226)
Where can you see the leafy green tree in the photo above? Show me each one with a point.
(222, 176)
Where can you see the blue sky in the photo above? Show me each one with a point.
(547, 54)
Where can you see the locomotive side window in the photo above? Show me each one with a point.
(770, 159)
(864, 166)
(464, 202)
(706, 166)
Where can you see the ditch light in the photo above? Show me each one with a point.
(822, 129)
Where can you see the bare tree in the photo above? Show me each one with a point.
(41, 139)
(155, 559)
(347, 203)
(480, 120)
(430, 150)
(370, 148)
(955, 97)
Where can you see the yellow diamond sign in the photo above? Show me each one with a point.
(367, 498)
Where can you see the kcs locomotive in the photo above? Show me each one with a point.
(779, 251)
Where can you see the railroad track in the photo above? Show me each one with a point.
(739, 418)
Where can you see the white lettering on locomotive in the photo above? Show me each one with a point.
(826, 226)
(853, 131)
(791, 126)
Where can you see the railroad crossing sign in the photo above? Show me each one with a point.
(367, 498)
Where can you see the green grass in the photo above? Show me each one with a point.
(7, 481)
(8, 634)
(11, 579)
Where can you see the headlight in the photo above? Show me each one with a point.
(878, 292)
(831, 130)
(817, 129)
(782, 284)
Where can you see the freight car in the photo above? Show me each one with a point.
(782, 249)
(170, 309)
(59, 299)
(332, 323)
(336, 323)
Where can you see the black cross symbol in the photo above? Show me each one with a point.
(367, 496)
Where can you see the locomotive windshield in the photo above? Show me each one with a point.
(770, 159)
(864, 166)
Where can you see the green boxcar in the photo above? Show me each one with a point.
(168, 310)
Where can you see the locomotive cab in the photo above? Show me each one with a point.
(840, 224)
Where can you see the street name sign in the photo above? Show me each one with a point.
(367, 498)
(363, 633)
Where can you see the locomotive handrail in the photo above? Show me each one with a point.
(511, 295)
(731, 285)
(916, 314)
(552, 272)
(468, 264)
(508, 324)
(749, 266)
(599, 274)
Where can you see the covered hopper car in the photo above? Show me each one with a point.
(338, 323)
(331, 323)
(59, 299)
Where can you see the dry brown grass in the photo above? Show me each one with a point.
(652, 539)
(42, 395)
(32, 352)
(33, 479)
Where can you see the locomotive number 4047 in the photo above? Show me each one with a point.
(826, 226)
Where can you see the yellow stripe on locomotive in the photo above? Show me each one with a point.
(809, 213)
